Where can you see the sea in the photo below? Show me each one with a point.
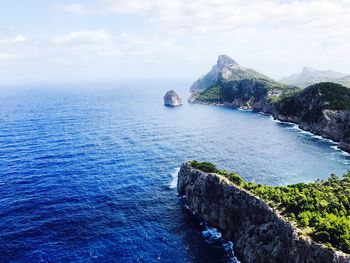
(88, 172)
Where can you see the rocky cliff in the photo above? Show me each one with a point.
(226, 69)
(258, 232)
(171, 99)
(323, 109)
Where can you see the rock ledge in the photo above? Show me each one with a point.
(258, 232)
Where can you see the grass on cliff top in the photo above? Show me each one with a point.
(329, 95)
(336, 96)
(237, 89)
(321, 208)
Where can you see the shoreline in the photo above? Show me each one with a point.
(278, 120)
(250, 222)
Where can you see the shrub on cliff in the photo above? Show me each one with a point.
(321, 208)
(204, 166)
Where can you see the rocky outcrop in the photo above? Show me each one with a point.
(171, 99)
(226, 69)
(258, 232)
(323, 109)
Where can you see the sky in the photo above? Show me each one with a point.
(107, 40)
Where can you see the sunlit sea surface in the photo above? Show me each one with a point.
(88, 172)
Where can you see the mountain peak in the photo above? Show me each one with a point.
(309, 70)
(226, 69)
(224, 60)
(305, 69)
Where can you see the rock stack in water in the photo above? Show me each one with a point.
(171, 99)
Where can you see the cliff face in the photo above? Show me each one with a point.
(226, 69)
(323, 109)
(259, 234)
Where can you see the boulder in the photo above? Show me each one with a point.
(171, 99)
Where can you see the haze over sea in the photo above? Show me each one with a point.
(88, 172)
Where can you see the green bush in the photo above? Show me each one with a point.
(204, 166)
(321, 208)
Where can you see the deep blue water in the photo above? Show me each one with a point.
(87, 172)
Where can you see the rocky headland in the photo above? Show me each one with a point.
(259, 232)
(323, 108)
(171, 99)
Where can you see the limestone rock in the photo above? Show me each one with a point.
(225, 69)
(259, 233)
(171, 99)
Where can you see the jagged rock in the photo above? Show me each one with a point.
(225, 69)
(323, 108)
(171, 99)
(259, 233)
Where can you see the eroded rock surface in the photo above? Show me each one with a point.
(171, 99)
(258, 232)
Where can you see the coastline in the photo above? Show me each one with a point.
(274, 117)
(259, 232)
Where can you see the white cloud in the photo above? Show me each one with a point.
(11, 40)
(83, 37)
(276, 37)
(7, 56)
(74, 8)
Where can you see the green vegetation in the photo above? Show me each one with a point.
(309, 103)
(213, 94)
(245, 90)
(205, 167)
(321, 209)
(337, 97)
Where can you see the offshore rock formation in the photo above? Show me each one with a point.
(323, 109)
(258, 232)
(171, 99)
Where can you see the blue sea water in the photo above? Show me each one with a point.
(88, 173)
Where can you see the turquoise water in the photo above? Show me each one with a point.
(88, 172)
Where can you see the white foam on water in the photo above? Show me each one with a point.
(294, 126)
(335, 147)
(241, 109)
(306, 132)
(229, 250)
(214, 237)
(265, 114)
(211, 234)
(173, 182)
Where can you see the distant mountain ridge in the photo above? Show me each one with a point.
(309, 76)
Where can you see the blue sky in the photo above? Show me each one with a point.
(108, 40)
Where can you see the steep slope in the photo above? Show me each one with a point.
(260, 233)
(226, 69)
(310, 76)
(323, 109)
